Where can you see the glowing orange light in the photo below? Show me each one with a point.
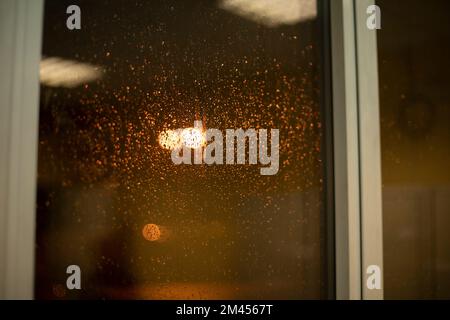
(169, 139)
(151, 232)
(193, 138)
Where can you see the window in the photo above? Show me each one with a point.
(111, 200)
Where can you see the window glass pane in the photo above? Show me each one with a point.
(110, 198)
(414, 46)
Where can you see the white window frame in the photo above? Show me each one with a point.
(357, 157)
(20, 53)
(357, 162)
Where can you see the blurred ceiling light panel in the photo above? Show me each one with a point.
(58, 72)
(272, 13)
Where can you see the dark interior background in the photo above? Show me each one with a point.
(414, 65)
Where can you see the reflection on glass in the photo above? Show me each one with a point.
(415, 138)
(110, 198)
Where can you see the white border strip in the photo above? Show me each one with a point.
(369, 148)
(346, 153)
(20, 52)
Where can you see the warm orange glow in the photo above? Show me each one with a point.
(151, 232)
(190, 137)
(193, 138)
(169, 139)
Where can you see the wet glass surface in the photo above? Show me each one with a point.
(110, 199)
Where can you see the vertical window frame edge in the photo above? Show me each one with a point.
(22, 33)
(346, 151)
(357, 160)
(369, 148)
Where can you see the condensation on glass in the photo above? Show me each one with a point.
(414, 46)
(111, 201)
